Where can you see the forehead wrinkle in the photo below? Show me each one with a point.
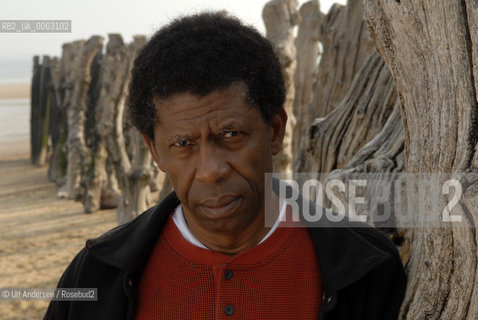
(192, 110)
(190, 118)
(185, 115)
(212, 119)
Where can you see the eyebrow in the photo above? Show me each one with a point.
(232, 124)
(228, 125)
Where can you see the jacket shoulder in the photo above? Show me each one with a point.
(123, 228)
(378, 239)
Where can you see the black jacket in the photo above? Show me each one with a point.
(361, 271)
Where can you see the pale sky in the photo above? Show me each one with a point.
(100, 17)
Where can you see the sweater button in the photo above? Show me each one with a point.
(228, 274)
(130, 282)
(229, 310)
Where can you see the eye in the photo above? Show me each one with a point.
(231, 134)
(182, 143)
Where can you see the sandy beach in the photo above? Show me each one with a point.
(39, 233)
(15, 91)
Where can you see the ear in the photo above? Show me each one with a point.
(153, 151)
(278, 126)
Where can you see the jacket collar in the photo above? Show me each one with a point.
(344, 254)
(128, 246)
(344, 248)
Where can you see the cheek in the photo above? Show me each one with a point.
(254, 163)
(180, 175)
(182, 187)
(261, 157)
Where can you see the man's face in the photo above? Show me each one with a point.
(216, 149)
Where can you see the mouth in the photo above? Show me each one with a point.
(220, 207)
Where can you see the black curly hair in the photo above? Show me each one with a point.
(200, 54)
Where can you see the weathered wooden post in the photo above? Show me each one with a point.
(76, 115)
(431, 50)
(332, 141)
(346, 45)
(113, 74)
(280, 18)
(307, 45)
(40, 110)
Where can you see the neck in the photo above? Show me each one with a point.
(231, 242)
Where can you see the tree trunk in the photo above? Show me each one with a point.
(384, 157)
(431, 49)
(141, 172)
(334, 140)
(307, 44)
(40, 110)
(57, 123)
(76, 115)
(94, 167)
(112, 131)
(115, 67)
(132, 168)
(113, 73)
(110, 193)
(385, 152)
(64, 88)
(35, 110)
(280, 17)
(140, 175)
(346, 45)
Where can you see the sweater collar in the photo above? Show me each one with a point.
(344, 254)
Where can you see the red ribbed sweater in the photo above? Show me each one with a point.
(277, 279)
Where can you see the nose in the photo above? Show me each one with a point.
(211, 164)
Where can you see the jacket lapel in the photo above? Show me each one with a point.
(344, 256)
(128, 246)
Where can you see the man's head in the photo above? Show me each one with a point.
(200, 54)
(207, 94)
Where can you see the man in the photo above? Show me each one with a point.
(207, 94)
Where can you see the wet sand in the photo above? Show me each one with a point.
(15, 91)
